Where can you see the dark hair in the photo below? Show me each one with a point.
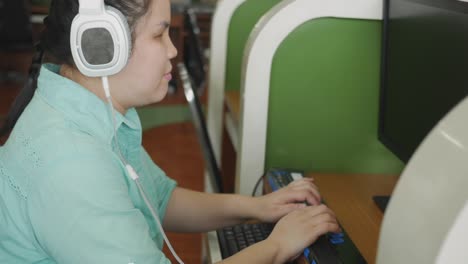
(55, 44)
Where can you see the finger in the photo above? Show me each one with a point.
(311, 195)
(301, 195)
(300, 181)
(315, 193)
(318, 210)
(326, 218)
(323, 218)
(305, 185)
(295, 257)
(311, 219)
(288, 208)
(323, 228)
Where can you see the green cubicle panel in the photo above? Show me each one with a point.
(242, 23)
(324, 96)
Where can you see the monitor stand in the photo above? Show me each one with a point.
(381, 201)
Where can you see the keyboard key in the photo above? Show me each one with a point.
(336, 241)
(232, 246)
(336, 235)
(296, 176)
(273, 184)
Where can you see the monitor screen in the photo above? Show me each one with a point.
(424, 69)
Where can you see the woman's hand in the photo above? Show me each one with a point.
(291, 235)
(300, 228)
(273, 206)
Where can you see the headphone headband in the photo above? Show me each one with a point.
(91, 7)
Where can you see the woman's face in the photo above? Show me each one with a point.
(145, 78)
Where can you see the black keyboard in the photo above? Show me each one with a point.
(328, 249)
(235, 238)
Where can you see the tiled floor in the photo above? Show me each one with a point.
(173, 147)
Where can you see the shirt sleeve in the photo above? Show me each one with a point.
(81, 212)
(159, 185)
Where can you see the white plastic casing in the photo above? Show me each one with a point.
(110, 19)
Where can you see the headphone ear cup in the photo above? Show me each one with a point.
(126, 42)
(97, 46)
(100, 44)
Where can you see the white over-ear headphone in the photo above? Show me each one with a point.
(100, 39)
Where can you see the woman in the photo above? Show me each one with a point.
(65, 194)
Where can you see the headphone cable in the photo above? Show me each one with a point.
(131, 171)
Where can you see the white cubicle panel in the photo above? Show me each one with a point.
(267, 36)
(217, 72)
(453, 249)
(429, 198)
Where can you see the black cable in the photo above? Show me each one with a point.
(256, 185)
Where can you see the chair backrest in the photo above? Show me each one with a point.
(310, 91)
(430, 197)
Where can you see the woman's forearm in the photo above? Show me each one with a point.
(190, 211)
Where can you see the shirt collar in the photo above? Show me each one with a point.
(82, 106)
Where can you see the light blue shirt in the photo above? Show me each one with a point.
(65, 196)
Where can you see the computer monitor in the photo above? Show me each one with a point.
(423, 74)
(424, 69)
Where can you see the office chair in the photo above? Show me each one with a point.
(193, 49)
(24, 95)
(200, 126)
(15, 36)
(193, 74)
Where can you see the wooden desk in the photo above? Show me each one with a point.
(231, 119)
(350, 197)
(229, 143)
(233, 104)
